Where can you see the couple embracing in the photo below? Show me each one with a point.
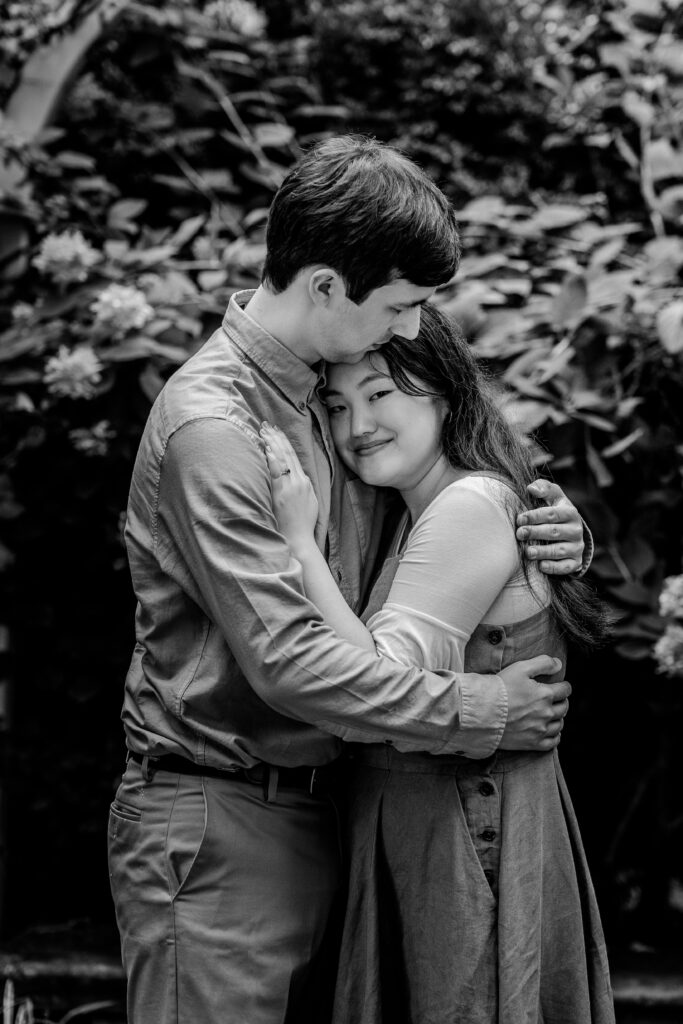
(348, 670)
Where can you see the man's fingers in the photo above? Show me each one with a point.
(541, 665)
(562, 567)
(566, 532)
(547, 490)
(564, 512)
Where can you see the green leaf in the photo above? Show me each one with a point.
(186, 231)
(209, 280)
(125, 210)
(602, 475)
(273, 134)
(623, 444)
(663, 161)
(632, 593)
(669, 56)
(633, 650)
(150, 257)
(570, 302)
(642, 112)
(670, 203)
(558, 215)
(670, 326)
(74, 161)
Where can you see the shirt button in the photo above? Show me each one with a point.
(460, 753)
(488, 835)
(302, 406)
(389, 743)
(339, 574)
(495, 636)
(487, 789)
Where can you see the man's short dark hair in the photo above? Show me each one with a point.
(365, 210)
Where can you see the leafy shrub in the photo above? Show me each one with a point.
(140, 210)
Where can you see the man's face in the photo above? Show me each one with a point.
(350, 331)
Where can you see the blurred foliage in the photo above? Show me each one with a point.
(132, 217)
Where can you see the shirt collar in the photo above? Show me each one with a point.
(291, 375)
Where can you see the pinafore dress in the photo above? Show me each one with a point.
(470, 899)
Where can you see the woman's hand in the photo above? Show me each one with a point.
(294, 502)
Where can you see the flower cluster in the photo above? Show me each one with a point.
(671, 597)
(73, 373)
(238, 15)
(66, 257)
(93, 440)
(121, 308)
(668, 650)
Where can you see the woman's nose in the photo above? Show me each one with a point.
(362, 422)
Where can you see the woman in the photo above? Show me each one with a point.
(469, 896)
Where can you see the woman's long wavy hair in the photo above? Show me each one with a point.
(476, 436)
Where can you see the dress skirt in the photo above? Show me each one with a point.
(470, 899)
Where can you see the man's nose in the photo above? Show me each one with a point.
(408, 323)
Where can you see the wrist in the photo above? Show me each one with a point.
(302, 547)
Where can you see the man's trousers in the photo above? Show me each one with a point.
(223, 899)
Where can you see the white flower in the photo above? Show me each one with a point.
(66, 257)
(239, 15)
(121, 308)
(94, 440)
(73, 373)
(21, 311)
(668, 651)
(671, 597)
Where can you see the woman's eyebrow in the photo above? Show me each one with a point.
(365, 380)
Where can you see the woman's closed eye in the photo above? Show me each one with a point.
(381, 394)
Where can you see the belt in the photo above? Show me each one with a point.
(314, 781)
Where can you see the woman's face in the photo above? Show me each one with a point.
(388, 438)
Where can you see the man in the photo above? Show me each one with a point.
(223, 846)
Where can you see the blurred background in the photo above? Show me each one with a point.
(140, 146)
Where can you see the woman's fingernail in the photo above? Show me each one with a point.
(265, 425)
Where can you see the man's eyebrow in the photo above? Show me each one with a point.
(410, 305)
(366, 380)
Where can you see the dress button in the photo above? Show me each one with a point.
(488, 835)
(487, 789)
(495, 636)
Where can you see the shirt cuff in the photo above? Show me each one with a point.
(484, 712)
(588, 552)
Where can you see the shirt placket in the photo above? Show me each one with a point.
(325, 451)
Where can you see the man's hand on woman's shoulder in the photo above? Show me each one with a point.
(554, 534)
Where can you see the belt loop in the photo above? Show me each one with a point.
(270, 780)
(148, 768)
(311, 785)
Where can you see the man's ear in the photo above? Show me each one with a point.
(326, 287)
